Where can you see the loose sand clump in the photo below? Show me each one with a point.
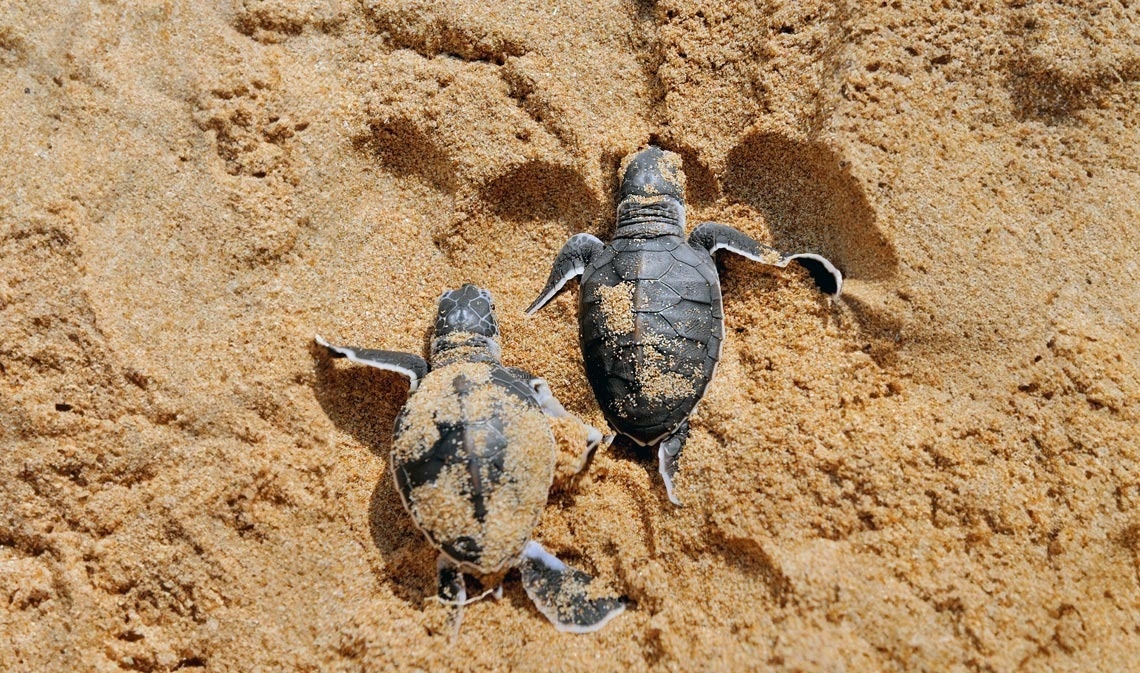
(616, 306)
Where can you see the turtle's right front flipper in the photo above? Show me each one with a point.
(561, 593)
(570, 263)
(554, 409)
(412, 366)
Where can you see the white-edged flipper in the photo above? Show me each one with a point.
(714, 236)
(412, 366)
(553, 408)
(570, 263)
(828, 278)
(561, 593)
(668, 453)
(451, 590)
(546, 399)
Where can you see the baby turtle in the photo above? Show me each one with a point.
(649, 305)
(473, 457)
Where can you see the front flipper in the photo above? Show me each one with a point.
(561, 593)
(554, 409)
(713, 236)
(668, 453)
(412, 366)
(572, 458)
(570, 263)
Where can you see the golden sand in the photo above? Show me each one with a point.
(939, 471)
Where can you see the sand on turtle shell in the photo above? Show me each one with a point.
(936, 472)
(444, 508)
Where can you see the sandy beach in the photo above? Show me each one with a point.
(938, 471)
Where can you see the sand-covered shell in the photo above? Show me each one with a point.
(473, 457)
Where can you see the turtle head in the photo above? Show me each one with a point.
(465, 325)
(652, 172)
(652, 189)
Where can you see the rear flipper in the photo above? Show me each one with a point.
(668, 453)
(412, 366)
(713, 236)
(451, 590)
(562, 593)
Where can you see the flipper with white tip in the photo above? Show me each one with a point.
(713, 236)
(570, 263)
(553, 408)
(668, 453)
(412, 366)
(451, 590)
(561, 593)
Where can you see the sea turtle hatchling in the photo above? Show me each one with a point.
(649, 305)
(473, 456)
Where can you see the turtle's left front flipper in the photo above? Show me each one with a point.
(713, 236)
(562, 593)
(412, 366)
(572, 459)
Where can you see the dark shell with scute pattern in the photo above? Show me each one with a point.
(677, 329)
